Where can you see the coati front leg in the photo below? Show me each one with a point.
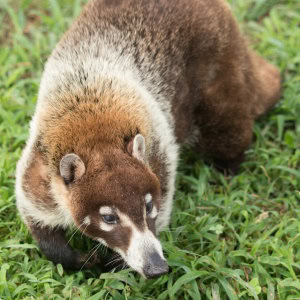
(53, 243)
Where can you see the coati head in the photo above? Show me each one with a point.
(114, 198)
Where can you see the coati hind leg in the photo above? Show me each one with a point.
(224, 113)
(229, 106)
(231, 86)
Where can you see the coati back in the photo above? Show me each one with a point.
(127, 84)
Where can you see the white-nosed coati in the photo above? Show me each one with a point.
(127, 84)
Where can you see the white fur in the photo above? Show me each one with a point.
(87, 220)
(153, 213)
(106, 227)
(148, 198)
(105, 210)
(102, 241)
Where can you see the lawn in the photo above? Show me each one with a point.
(229, 237)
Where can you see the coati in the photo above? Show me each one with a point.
(127, 84)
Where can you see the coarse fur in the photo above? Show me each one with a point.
(129, 83)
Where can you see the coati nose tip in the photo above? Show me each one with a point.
(155, 266)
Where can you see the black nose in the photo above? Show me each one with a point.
(155, 266)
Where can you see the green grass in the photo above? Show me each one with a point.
(229, 238)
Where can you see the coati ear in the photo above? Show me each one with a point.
(71, 167)
(137, 147)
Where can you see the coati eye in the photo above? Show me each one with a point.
(110, 219)
(149, 203)
(149, 207)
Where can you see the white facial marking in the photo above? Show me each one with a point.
(148, 198)
(153, 213)
(140, 244)
(87, 220)
(102, 241)
(106, 227)
(105, 210)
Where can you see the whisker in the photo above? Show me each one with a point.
(114, 260)
(97, 245)
(105, 250)
(84, 230)
(124, 266)
(90, 257)
(75, 230)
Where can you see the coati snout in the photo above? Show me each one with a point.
(125, 87)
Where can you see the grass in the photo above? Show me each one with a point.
(229, 238)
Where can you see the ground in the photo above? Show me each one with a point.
(229, 237)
